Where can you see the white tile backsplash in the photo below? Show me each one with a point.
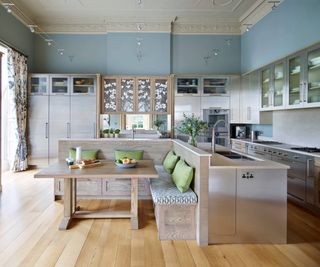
(299, 127)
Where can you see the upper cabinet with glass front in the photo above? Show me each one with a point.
(272, 83)
(295, 81)
(161, 103)
(60, 85)
(83, 85)
(214, 86)
(312, 84)
(187, 86)
(39, 84)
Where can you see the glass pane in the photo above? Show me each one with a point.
(162, 123)
(314, 76)
(110, 95)
(187, 85)
(60, 85)
(144, 95)
(214, 86)
(83, 85)
(110, 121)
(265, 85)
(294, 80)
(127, 95)
(278, 84)
(137, 121)
(161, 95)
(39, 85)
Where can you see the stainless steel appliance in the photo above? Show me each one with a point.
(218, 123)
(241, 132)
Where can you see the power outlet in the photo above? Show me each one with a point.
(247, 175)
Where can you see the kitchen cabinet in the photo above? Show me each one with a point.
(136, 95)
(235, 91)
(64, 107)
(215, 86)
(272, 84)
(187, 86)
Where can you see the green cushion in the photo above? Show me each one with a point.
(182, 176)
(170, 162)
(85, 154)
(131, 154)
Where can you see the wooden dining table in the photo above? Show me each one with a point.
(108, 169)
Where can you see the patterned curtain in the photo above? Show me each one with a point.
(17, 78)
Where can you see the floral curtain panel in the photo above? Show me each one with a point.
(17, 78)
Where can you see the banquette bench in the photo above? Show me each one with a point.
(178, 215)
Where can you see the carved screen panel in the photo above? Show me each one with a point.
(110, 95)
(161, 95)
(127, 95)
(144, 95)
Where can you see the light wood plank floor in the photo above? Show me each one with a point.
(29, 236)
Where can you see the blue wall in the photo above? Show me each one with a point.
(295, 24)
(188, 52)
(16, 34)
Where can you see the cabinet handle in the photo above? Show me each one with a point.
(308, 168)
(47, 130)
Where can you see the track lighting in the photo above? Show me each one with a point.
(49, 41)
(274, 4)
(32, 27)
(248, 26)
(8, 7)
(61, 52)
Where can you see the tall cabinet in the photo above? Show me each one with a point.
(60, 106)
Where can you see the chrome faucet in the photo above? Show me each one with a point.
(213, 140)
(133, 132)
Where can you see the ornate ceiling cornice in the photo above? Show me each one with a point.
(216, 28)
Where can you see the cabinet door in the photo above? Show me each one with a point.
(82, 116)
(261, 204)
(59, 85)
(59, 123)
(215, 86)
(187, 86)
(110, 99)
(295, 81)
(278, 85)
(83, 85)
(234, 88)
(39, 85)
(265, 88)
(38, 129)
(161, 96)
(312, 97)
(144, 95)
(127, 95)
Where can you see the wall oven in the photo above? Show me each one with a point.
(218, 120)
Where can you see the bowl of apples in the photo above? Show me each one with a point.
(126, 163)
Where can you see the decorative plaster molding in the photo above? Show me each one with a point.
(132, 26)
(188, 28)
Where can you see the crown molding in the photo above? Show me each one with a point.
(216, 28)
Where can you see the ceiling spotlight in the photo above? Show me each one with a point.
(49, 42)
(215, 52)
(8, 7)
(61, 52)
(139, 26)
(274, 4)
(248, 26)
(32, 27)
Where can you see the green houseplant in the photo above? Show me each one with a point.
(158, 123)
(111, 132)
(192, 126)
(116, 133)
(105, 133)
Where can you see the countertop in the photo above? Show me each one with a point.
(220, 162)
(282, 146)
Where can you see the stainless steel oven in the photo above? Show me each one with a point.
(218, 120)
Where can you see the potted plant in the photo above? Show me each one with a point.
(158, 123)
(192, 126)
(111, 133)
(116, 133)
(105, 133)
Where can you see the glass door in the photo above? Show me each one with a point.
(83, 85)
(265, 88)
(295, 80)
(187, 86)
(127, 95)
(38, 85)
(215, 86)
(279, 84)
(109, 95)
(161, 96)
(144, 95)
(313, 89)
(59, 85)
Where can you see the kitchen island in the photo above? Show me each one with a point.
(247, 200)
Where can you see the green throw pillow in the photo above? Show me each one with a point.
(131, 154)
(182, 176)
(85, 154)
(170, 162)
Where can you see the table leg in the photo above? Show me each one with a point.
(134, 204)
(67, 203)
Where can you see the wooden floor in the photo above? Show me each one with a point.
(29, 236)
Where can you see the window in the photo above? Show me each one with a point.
(139, 121)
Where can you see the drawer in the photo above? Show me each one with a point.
(297, 188)
(122, 187)
(85, 187)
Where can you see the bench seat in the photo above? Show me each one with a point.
(174, 211)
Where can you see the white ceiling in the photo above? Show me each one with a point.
(190, 16)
